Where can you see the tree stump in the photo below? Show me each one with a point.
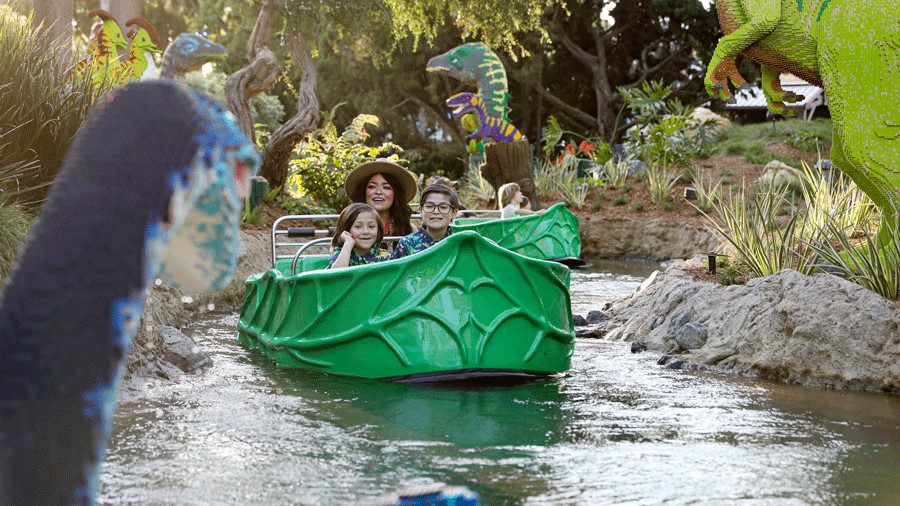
(510, 162)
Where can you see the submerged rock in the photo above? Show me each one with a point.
(816, 330)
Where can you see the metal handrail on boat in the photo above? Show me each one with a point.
(314, 232)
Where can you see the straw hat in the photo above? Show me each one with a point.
(362, 173)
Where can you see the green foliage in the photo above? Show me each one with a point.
(14, 224)
(659, 185)
(41, 108)
(660, 126)
(589, 148)
(875, 268)
(265, 109)
(302, 204)
(497, 23)
(614, 173)
(321, 162)
(576, 193)
(475, 187)
(252, 216)
(762, 244)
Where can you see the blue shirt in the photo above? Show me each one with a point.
(374, 255)
(416, 242)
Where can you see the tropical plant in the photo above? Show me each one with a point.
(706, 192)
(614, 173)
(475, 186)
(659, 184)
(321, 162)
(762, 243)
(576, 193)
(875, 268)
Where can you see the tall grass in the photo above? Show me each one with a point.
(41, 108)
(14, 225)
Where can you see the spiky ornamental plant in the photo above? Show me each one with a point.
(41, 108)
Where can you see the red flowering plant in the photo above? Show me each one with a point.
(589, 148)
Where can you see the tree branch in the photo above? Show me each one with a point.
(650, 71)
(259, 75)
(575, 113)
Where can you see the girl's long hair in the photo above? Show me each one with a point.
(506, 193)
(400, 212)
(348, 218)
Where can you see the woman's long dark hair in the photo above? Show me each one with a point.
(348, 218)
(400, 212)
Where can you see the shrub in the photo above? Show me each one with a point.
(321, 162)
(14, 225)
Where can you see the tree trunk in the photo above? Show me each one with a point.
(259, 75)
(56, 15)
(510, 162)
(283, 141)
(125, 10)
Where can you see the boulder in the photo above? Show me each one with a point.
(778, 174)
(816, 330)
(707, 132)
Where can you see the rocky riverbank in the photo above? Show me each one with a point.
(812, 330)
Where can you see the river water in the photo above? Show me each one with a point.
(616, 429)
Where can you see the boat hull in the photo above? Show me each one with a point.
(547, 236)
(465, 306)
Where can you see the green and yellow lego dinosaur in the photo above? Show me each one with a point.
(144, 43)
(108, 40)
(852, 50)
(474, 63)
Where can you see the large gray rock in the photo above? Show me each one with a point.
(815, 330)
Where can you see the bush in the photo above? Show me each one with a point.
(321, 162)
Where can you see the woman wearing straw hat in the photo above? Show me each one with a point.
(388, 188)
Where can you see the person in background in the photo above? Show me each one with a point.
(509, 200)
(439, 206)
(388, 188)
(357, 234)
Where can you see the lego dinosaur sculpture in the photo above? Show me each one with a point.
(151, 188)
(144, 42)
(107, 41)
(852, 50)
(496, 129)
(188, 52)
(474, 63)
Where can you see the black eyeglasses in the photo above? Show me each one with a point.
(429, 207)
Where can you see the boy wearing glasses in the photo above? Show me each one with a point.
(439, 206)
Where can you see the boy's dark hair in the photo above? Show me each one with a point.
(348, 218)
(442, 189)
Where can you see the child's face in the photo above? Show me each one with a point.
(364, 232)
(517, 199)
(434, 220)
(379, 193)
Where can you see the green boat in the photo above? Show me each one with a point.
(552, 235)
(465, 308)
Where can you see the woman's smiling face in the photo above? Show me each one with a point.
(379, 193)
